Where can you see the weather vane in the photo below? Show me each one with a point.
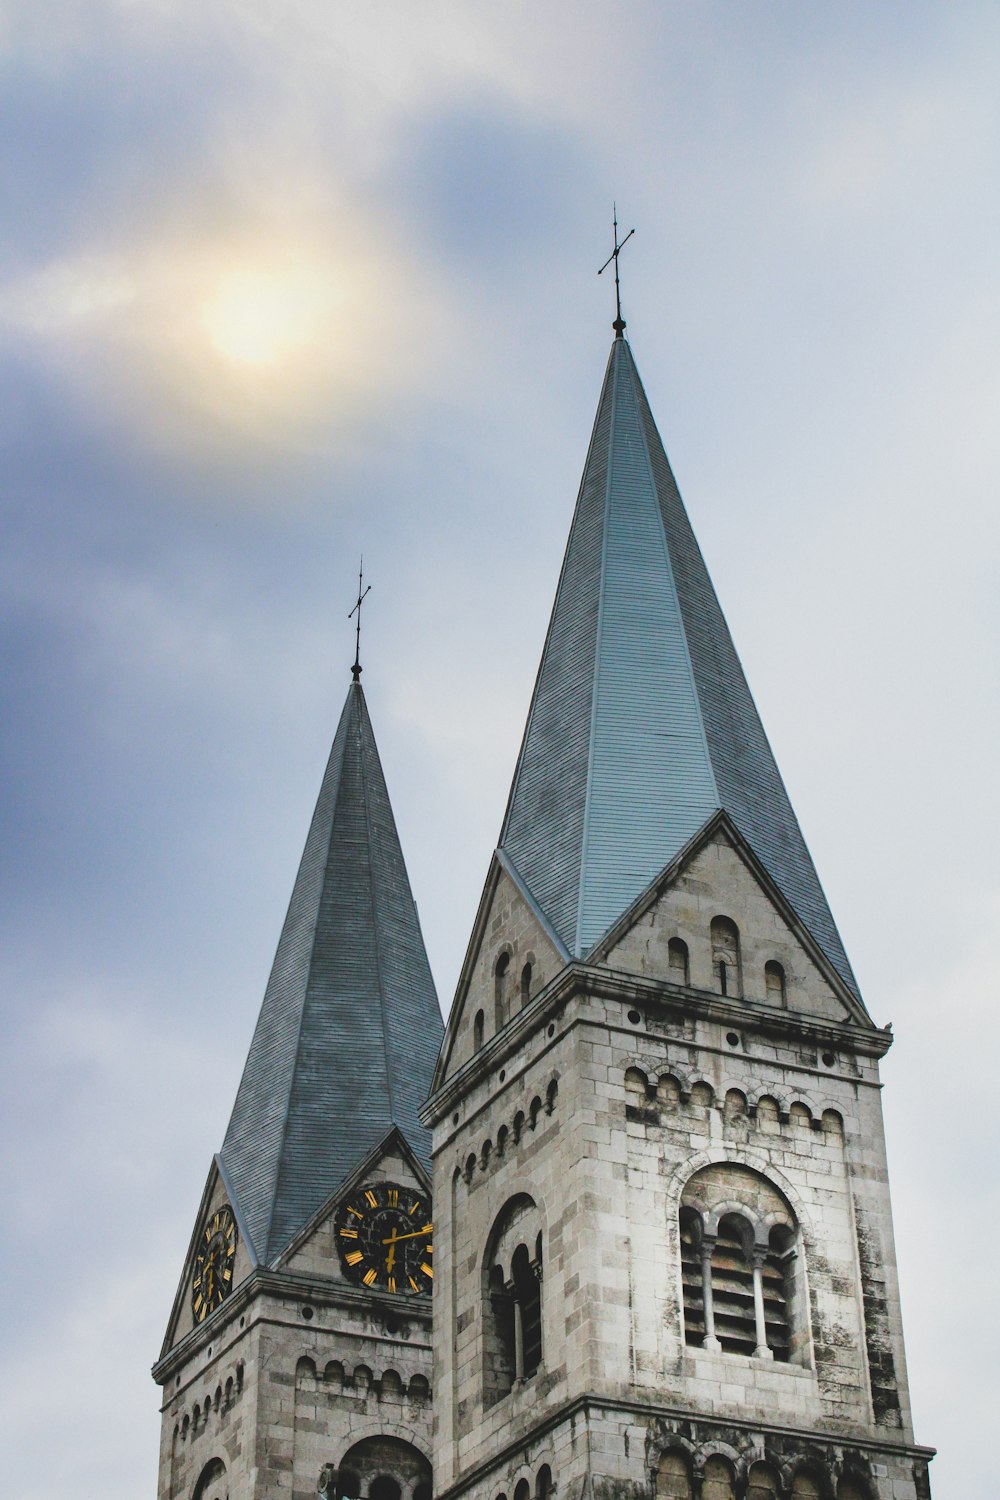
(619, 324)
(362, 594)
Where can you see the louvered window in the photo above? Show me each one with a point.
(739, 1270)
(732, 1287)
(775, 1285)
(691, 1278)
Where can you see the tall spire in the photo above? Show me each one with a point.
(642, 726)
(350, 1026)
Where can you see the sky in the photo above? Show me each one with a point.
(285, 285)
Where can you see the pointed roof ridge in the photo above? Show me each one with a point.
(348, 1031)
(641, 722)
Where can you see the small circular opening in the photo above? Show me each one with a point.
(210, 1351)
(391, 1323)
(503, 1074)
(177, 1381)
(634, 1017)
(732, 1038)
(552, 1031)
(307, 1312)
(454, 1118)
(242, 1322)
(828, 1059)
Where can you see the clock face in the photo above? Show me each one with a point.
(383, 1234)
(213, 1264)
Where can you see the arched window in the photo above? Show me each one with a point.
(500, 971)
(673, 1477)
(512, 1296)
(805, 1487)
(762, 1483)
(717, 1480)
(543, 1483)
(522, 1490)
(525, 985)
(384, 1468)
(743, 1288)
(212, 1482)
(478, 1028)
(726, 956)
(849, 1489)
(774, 983)
(677, 959)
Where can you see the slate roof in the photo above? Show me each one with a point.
(642, 725)
(350, 1027)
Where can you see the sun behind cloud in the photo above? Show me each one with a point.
(263, 315)
(227, 342)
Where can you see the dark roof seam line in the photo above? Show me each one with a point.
(581, 884)
(373, 907)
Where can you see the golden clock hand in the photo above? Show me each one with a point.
(416, 1235)
(391, 1258)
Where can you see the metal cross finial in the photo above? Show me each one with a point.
(619, 324)
(362, 594)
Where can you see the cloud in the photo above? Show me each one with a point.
(267, 333)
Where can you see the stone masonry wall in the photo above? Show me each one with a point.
(653, 1083)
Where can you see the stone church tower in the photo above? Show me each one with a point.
(662, 1232)
(664, 1250)
(297, 1358)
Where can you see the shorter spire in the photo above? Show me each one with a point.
(362, 595)
(619, 324)
(348, 1033)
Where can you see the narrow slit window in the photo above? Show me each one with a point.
(677, 957)
(774, 982)
(726, 956)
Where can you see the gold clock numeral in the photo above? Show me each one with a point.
(371, 1198)
(227, 1275)
(414, 1205)
(370, 1277)
(393, 1196)
(392, 1283)
(348, 1234)
(427, 1270)
(356, 1212)
(413, 1284)
(354, 1258)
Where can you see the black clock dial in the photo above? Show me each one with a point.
(384, 1238)
(213, 1264)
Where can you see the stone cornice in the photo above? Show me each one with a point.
(584, 1405)
(283, 1285)
(661, 1000)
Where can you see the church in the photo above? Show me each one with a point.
(621, 1230)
